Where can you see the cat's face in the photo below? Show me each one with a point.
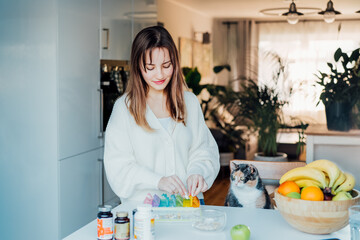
(244, 174)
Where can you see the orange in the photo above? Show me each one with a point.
(312, 193)
(287, 187)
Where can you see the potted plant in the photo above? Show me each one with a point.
(259, 108)
(341, 89)
(298, 125)
(226, 132)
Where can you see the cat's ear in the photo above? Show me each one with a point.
(253, 168)
(233, 166)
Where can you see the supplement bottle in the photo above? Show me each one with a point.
(105, 223)
(122, 226)
(144, 223)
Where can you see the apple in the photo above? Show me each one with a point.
(342, 196)
(294, 195)
(240, 232)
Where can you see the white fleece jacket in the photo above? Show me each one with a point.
(136, 159)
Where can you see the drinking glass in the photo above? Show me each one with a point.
(354, 220)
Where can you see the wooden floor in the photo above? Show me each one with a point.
(217, 193)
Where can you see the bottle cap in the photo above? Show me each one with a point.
(144, 207)
(104, 208)
(121, 214)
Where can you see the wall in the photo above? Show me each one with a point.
(182, 21)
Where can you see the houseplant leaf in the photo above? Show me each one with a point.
(337, 54)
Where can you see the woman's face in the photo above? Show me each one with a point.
(157, 74)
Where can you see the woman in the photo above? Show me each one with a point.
(156, 139)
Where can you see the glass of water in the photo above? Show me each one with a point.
(354, 221)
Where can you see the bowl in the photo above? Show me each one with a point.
(316, 217)
(210, 220)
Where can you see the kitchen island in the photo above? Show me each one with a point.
(263, 223)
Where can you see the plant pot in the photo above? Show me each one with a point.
(338, 116)
(225, 158)
(280, 157)
(302, 155)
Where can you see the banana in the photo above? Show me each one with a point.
(307, 182)
(327, 179)
(328, 167)
(338, 181)
(304, 173)
(347, 185)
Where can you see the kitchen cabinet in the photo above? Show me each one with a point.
(49, 146)
(78, 77)
(78, 112)
(79, 190)
(108, 197)
(120, 22)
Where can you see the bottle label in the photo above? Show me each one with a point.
(144, 229)
(105, 228)
(122, 231)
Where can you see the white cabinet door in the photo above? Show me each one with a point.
(115, 21)
(120, 22)
(108, 196)
(79, 190)
(78, 76)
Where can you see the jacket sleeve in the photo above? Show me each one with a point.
(124, 174)
(204, 152)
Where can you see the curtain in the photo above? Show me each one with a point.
(306, 48)
(235, 43)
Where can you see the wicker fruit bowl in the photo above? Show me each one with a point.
(316, 217)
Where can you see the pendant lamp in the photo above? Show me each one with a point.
(329, 13)
(292, 15)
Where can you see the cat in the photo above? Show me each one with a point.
(246, 188)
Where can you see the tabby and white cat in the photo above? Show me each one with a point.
(246, 189)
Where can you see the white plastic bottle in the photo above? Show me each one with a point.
(144, 223)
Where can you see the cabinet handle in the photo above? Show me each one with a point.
(101, 132)
(106, 38)
(102, 173)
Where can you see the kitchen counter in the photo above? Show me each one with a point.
(264, 224)
(321, 130)
(342, 148)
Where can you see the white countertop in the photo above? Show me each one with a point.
(264, 224)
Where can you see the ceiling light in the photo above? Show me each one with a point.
(329, 13)
(292, 15)
(141, 15)
(307, 11)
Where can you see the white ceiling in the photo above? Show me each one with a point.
(251, 8)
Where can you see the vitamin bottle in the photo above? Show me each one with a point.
(122, 226)
(105, 223)
(144, 223)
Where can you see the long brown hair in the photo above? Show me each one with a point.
(137, 89)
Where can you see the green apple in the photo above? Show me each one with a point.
(294, 195)
(240, 232)
(342, 196)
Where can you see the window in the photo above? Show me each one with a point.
(306, 48)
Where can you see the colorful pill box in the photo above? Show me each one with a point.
(176, 214)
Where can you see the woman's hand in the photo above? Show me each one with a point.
(172, 185)
(196, 184)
